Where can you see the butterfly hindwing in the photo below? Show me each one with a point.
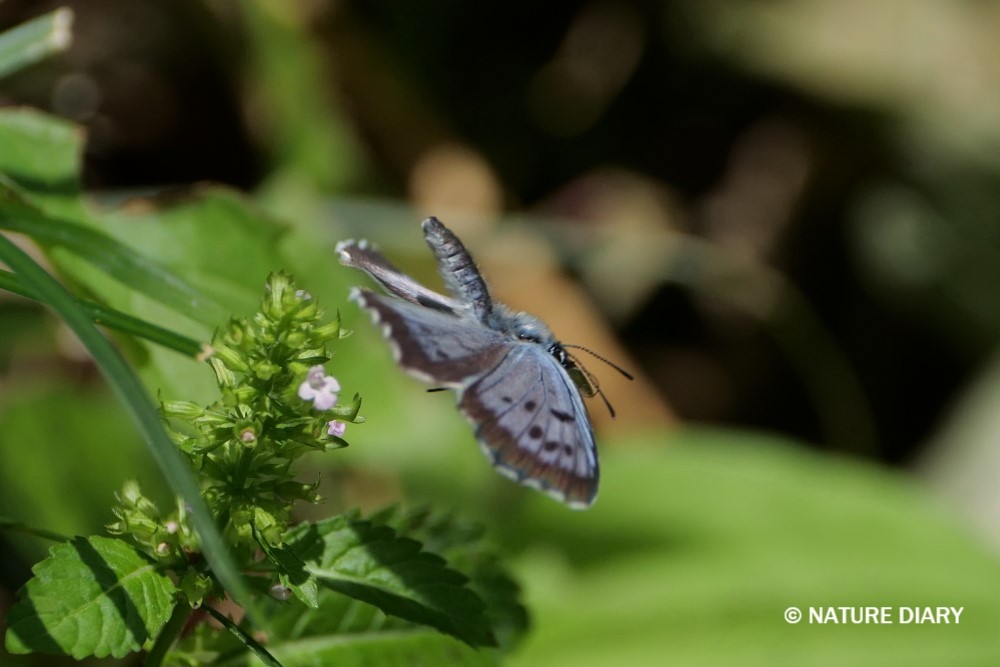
(533, 425)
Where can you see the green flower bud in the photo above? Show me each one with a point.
(329, 331)
(296, 340)
(231, 359)
(182, 409)
(196, 587)
(265, 370)
(244, 395)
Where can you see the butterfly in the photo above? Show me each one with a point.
(515, 382)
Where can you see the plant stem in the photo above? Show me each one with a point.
(168, 635)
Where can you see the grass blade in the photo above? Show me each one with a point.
(117, 320)
(127, 386)
(110, 256)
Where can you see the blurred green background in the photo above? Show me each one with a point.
(784, 216)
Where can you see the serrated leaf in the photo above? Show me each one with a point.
(464, 545)
(341, 632)
(291, 570)
(374, 564)
(92, 596)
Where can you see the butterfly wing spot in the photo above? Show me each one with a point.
(435, 304)
(535, 432)
(561, 415)
(529, 406)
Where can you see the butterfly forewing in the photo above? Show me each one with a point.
(433, 346)
(361, 255)
(457, 269)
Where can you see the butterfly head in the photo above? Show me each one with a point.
(523, 327)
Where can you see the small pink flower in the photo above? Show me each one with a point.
(336, 428)
(319, 388)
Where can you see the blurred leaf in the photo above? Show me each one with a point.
(116, 260)
(88, 445)
(39, 167)
(389, 649)
(694, 550)
(372, 563)
(35, 40)
(218, 240)
(306, 130)
(216, 237)
(963, 461)
(41, 152)
(933, 253)
(92, 596)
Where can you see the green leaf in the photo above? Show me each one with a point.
(117, 260)
(92, 597)
(291, 570)
(42, 454)
(466, 549)
(41, 151)
(700, 541)
(35, 40)
(401, 648)
(374, 564)
(41, 160)
(216, 237)
(340, 632)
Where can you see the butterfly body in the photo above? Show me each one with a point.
(514, 381)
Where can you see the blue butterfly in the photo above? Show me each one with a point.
(515, 382)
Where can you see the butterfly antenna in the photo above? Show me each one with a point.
(605, 360)
(593, 380)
